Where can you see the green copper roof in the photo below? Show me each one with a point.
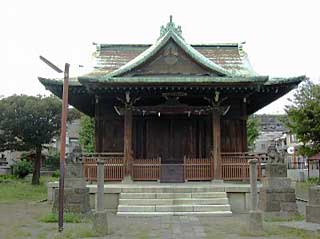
(167, 33)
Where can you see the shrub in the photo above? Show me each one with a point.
(22, 168)
(53, 160)
(56, 174)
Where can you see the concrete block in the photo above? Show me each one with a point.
(131, 208)
(211, 208)
(209, 195)
(313, 213)
(276, 182)
(255, 222)
(174, 208)
(314, 195)
(100, 223)
(138, 195)
(173, 195)
(276, 170)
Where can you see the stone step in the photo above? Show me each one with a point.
(174, 208)
(179, 201)
(172, 195)
(172, 189)
(144, 214)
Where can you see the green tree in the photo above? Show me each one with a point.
(87, 134)
(304, 117)
(28, 122)
(252, 130)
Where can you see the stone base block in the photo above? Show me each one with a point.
(276, 170)
(314, 195)
(100, 223)
(74, 182)
(127, 179)
(76, 200)
(255, 222)
(276, 183)
(313, 213)
(271, 200)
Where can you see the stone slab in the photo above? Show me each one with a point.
(276, 170)
(314, 195)
(276, 182)
(255, 221)
(100, 223)
(313, 213)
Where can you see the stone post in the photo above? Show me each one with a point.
(255, 216)
(100, 185)
(100, 223)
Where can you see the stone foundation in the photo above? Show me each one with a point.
(313, 207)
(76, 200)
(76, 194)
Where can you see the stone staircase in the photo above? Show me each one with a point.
(172, 200)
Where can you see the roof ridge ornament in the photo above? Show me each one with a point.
(170, 27)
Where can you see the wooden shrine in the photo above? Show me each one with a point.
(171, 111)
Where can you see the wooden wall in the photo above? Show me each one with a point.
(170, 137)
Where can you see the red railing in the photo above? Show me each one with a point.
(235, 166)
(113, 167)
(197, 169)
(146, 169)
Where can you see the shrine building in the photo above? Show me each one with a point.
(171, 111)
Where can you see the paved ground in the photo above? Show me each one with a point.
(21, 220)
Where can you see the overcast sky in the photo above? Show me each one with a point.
(282, 37)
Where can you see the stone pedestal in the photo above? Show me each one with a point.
(76, 194)
(100, 223)
(277, 197)
(313, 207)
(255, 222)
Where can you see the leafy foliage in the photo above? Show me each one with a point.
(87, 134)
(252, 130)
(27, 122)
(304, 117)
(22, 168)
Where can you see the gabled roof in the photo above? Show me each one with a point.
(167, 33)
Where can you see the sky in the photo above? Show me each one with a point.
(282, 37)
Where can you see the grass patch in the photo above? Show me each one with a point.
(298, 217)
(13, 190)
(83, 231)
(68, 217)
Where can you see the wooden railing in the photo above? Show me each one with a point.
(113, 167)
(146, 169)
(235, 166)
(197, 169)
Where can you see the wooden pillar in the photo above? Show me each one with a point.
(216, 136)
(128, 142)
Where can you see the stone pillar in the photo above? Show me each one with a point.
(255, 216)
(100, 186)
(253, 184)
(313, 207)
(216, 140)
(128, 143)
(100, 223)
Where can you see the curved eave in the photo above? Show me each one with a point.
(173, 80)
(79, 97)
(144, 56)
(271, 91)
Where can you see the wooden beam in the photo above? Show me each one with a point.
(216, 136)
(128, 142)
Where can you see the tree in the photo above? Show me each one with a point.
(87, 134)
(304, 117)
(28, 122)
(252, 130)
